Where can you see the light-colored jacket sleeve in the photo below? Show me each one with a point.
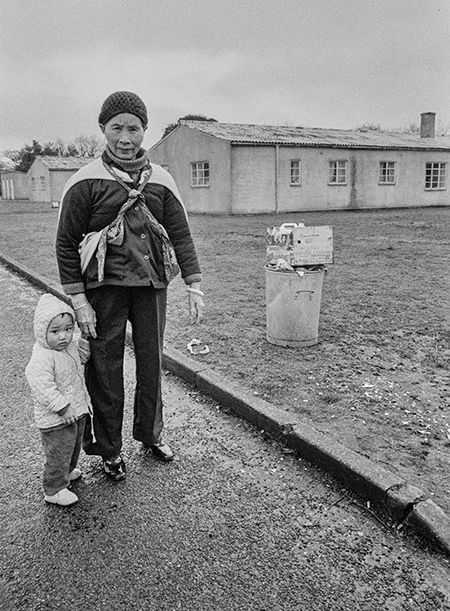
(41, 379)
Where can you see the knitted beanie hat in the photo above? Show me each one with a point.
(123, 101)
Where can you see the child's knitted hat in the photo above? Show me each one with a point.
(123, 101)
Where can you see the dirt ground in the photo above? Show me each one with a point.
(378, 380)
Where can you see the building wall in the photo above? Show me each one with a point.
(39, 182)
(14, 185)
(7, 186)
(58, 180)
(48, 184)
(253, 179)
(363, 189)
(185, 146)
(313, 193)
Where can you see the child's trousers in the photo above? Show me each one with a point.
(61, 449)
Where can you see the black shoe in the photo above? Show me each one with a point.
(115, 468)
(161, 451)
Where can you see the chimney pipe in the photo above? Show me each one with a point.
(427, 121)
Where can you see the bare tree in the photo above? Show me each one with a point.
(172, 126)
(370, 127)
(6, 163)
(442, 129)
(412, 128)
(12, 155)
(60, 147)
(88, 146)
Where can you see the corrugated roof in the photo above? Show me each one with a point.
(64, 163)
(237, 133)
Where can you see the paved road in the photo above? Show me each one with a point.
(233, 524)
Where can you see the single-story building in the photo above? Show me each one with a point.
(48, 175)
(14, 185)
(227, 168)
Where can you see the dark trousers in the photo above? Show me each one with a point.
(145, 308)
(61, 449)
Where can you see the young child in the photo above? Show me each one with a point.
(61, 400)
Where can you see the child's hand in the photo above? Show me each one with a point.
(68, 414)
(84, 349)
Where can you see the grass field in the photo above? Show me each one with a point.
(378, 380)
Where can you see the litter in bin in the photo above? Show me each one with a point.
(283, 265)
(300, 245)
(196, 346)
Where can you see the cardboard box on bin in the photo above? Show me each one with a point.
(300, 245)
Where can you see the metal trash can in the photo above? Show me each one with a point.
(293, 301)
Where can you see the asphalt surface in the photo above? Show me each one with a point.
(236, 522)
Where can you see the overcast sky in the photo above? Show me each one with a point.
(317, 63)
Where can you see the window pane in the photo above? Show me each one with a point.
(337, 172)
(387, 172)
(435, 173)
(200, 174)
(295, 171)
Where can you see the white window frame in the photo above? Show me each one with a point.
(435, 175)
(33, 183)
(42, 183)
(387, 173)
(295, 177)
(200, 174)
(338, 172)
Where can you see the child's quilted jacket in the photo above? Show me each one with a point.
(55, 377)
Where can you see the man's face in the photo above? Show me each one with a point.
(60, 332)
(124, 134)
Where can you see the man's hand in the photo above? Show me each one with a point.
(85, 315)
(196, 303)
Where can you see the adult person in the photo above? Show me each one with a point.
(113, 261)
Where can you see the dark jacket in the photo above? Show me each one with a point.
(91, 201)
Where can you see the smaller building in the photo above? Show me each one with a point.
(14, 185)
(48, 175)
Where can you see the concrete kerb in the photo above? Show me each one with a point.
(41, 283)
(428, 518)
(404, 502)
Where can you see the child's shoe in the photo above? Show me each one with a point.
(115, 468)
(75, 474)
(63, 497)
